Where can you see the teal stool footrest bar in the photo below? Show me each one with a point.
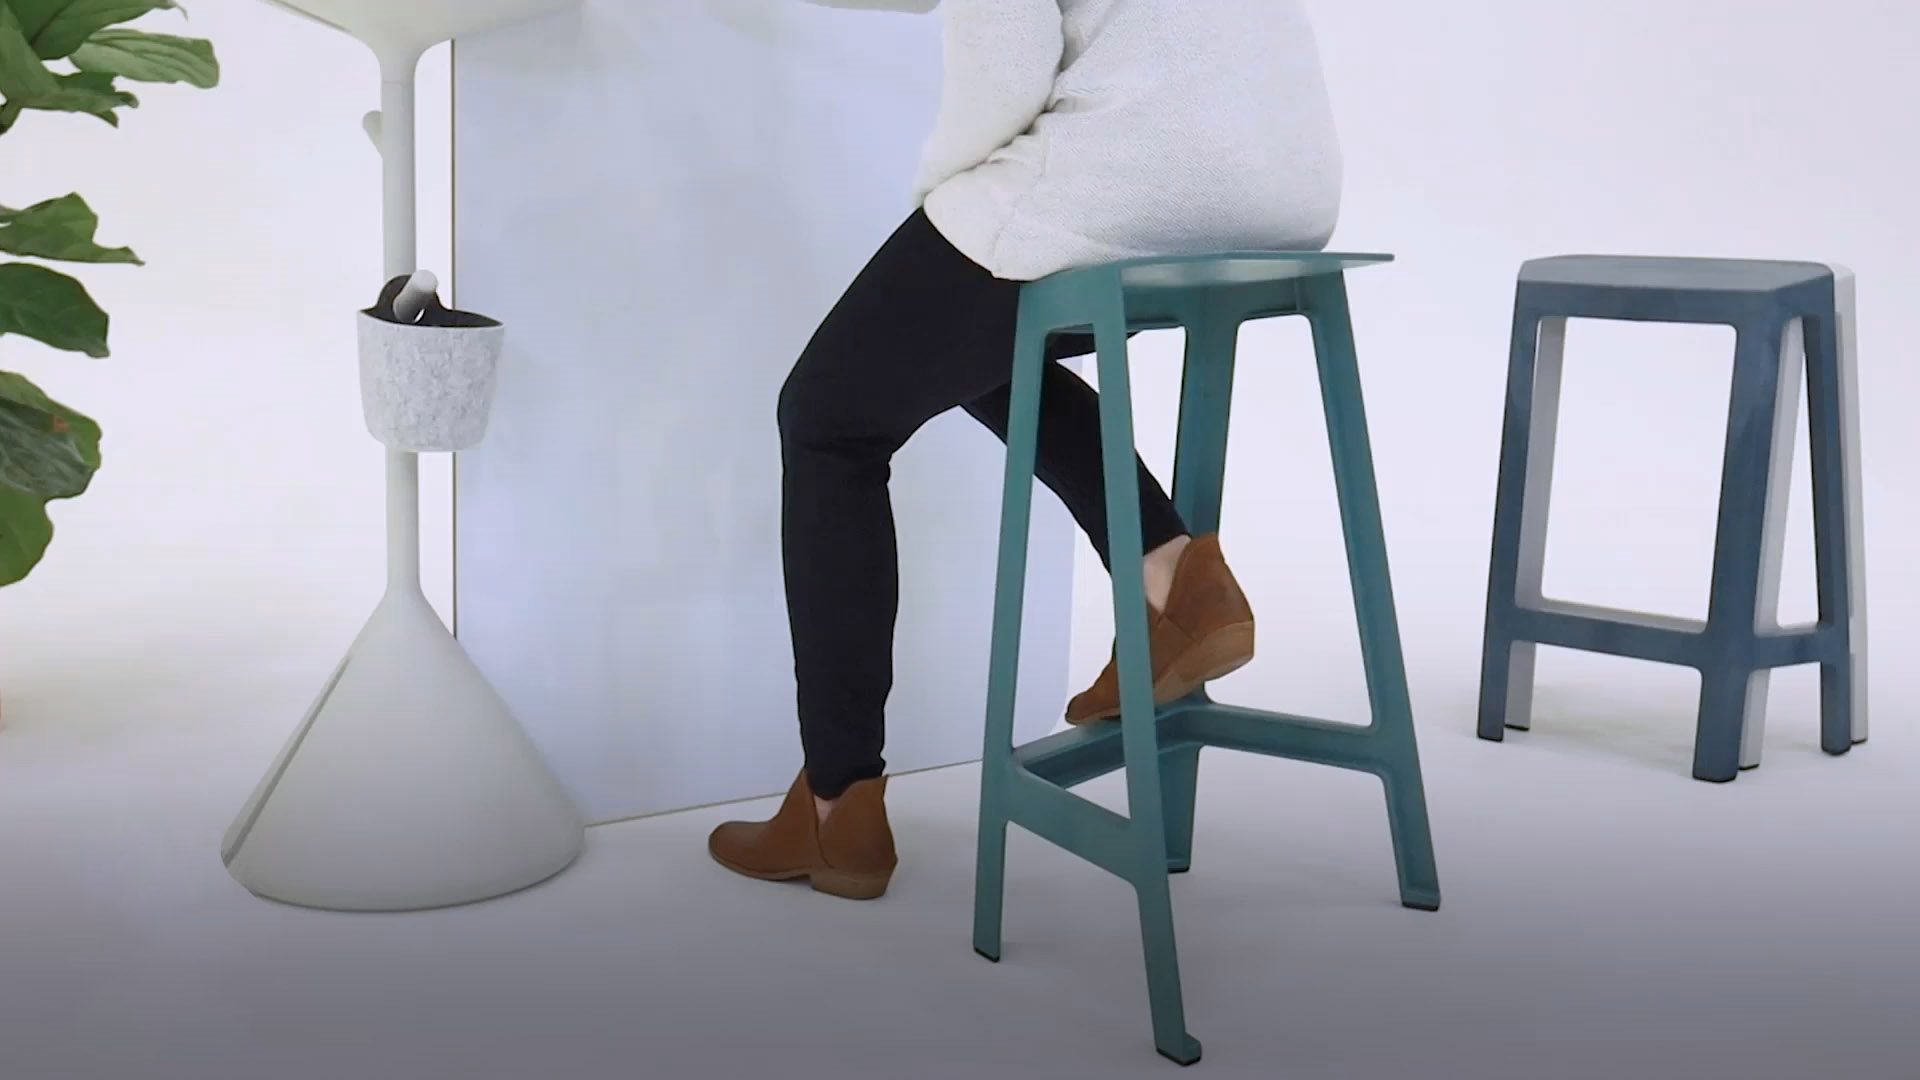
(1159, 749)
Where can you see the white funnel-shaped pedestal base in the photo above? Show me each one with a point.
(407, 786)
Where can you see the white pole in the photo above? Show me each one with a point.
(400, 229)
(397, 154)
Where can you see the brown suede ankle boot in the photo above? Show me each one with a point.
(850, 854)
(1205, 633)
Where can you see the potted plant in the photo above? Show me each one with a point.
(63, 56)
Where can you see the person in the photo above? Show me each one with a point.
(1069, 133)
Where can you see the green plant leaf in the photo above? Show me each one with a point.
(152, 58)
(60, 228)
(90, 92)
(46, 449)
(18, 390)
(50, 307)
(25, 532)
(22, 73)
(56, 28)
(26, 83)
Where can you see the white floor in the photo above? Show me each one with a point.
(1605, 916)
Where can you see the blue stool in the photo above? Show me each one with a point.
(1781, 312)
(1211, 297)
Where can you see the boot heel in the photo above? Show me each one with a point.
(850, 886)
(1224, 652)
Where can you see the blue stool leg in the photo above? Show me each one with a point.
(1773, 533)
(1138, 724)
(996, 766)
(1520, 518)
(1834, 410)
(1726, 682)
(1845, 343)
(1199, 480)
(1373, 591)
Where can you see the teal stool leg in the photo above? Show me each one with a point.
(996, 764)
(1199, 478)
(1147, 825)
(1206, 400)
(1179, 789)
(1326, 302)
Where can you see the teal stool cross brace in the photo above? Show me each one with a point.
(1211, 296)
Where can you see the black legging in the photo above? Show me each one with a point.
(922, 329)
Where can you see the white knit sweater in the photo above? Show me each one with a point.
(1074, 132)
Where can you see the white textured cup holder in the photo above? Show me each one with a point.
(427, 372)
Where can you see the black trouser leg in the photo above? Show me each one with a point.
(922, 330)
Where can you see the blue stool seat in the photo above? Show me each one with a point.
(1159, 749)
(1650, 274)
(1782, 313)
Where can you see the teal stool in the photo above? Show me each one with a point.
(1211, 296)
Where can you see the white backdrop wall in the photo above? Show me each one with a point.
(663, 201)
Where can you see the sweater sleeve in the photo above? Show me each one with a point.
(1001, 58)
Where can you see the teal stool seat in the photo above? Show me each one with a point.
(1211, 297)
